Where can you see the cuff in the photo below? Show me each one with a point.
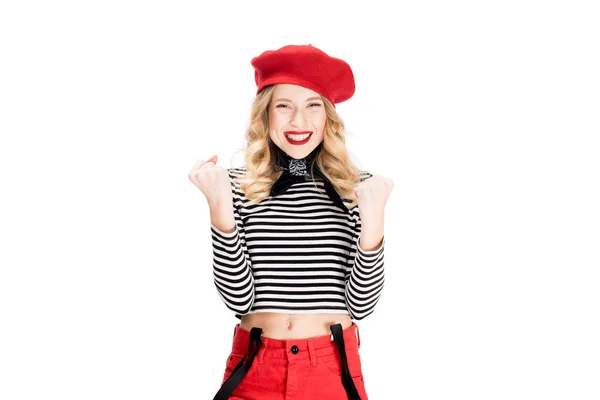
(224, 235)
(370, 253)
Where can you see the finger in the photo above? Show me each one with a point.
(210, 162)
(195, 168)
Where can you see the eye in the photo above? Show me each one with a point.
(315, 104)
(281, 105)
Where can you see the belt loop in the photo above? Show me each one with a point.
(357, 336)
(311, 353)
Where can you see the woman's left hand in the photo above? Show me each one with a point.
(372, 195)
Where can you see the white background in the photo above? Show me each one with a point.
(484, 114)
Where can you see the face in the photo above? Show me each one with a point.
(296, 119)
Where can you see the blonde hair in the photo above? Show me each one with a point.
(260, 153)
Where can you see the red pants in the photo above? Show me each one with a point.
(299, 369)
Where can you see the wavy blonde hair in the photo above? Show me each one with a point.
(333, 159)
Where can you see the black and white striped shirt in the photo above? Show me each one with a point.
(296, 253)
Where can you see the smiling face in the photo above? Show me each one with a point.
(296, 119)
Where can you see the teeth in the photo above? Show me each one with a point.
(298, 138)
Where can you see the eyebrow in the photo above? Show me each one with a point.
(309, 99)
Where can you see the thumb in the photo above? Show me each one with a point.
(213, 159)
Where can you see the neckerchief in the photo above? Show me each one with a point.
(297, 170)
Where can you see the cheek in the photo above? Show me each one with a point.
(275, 122)
(319, 122)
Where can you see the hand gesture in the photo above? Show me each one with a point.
(372, 195)
(212, 180)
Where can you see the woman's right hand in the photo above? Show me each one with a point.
(213, 181)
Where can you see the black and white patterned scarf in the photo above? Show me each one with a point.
(298, 170)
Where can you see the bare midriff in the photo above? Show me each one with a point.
(293, 326)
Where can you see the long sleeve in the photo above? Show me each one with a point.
(232, 269)
(364, 283)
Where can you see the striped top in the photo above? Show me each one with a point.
(296, 253)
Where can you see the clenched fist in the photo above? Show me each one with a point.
(372, 195)
(213, 181)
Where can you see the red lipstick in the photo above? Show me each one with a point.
(297, 142)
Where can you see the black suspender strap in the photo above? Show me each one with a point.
(242, 367)
(347, 381)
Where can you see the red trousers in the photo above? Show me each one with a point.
(298, 369)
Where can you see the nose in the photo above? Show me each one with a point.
(297, 119)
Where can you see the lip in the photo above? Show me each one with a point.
(298, 133)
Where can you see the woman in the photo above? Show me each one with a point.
(297, 236)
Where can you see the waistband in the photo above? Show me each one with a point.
(278, 348)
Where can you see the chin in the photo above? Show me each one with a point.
(299, 153)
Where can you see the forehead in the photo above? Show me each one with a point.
(293, 91)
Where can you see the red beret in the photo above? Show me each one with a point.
(306, 66)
